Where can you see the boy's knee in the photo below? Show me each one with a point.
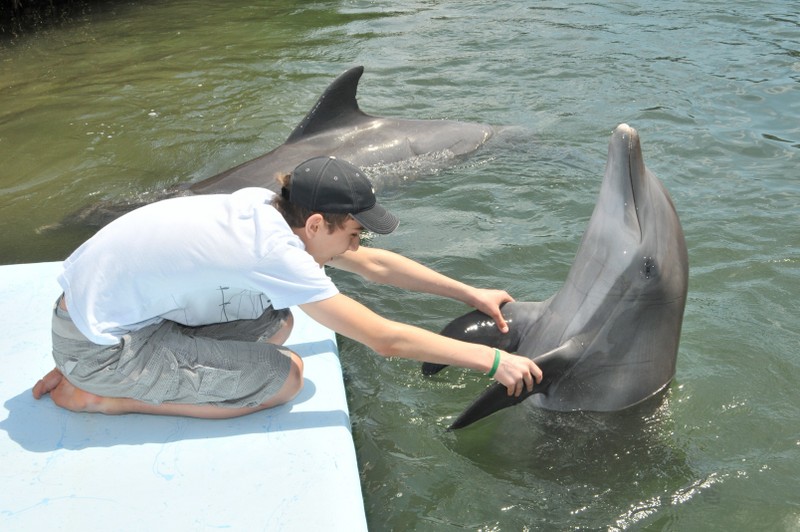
(292, 386)
(295, 378)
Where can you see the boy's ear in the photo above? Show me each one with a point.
(314, 223)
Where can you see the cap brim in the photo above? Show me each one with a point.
(377, 219)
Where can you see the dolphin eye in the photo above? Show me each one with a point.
(648, 267)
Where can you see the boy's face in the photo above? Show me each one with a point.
(326, 245)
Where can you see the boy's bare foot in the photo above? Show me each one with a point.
(47, 383)
(64, 394)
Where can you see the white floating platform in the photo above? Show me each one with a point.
(290, 468)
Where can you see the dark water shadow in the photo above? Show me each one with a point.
(22, 17)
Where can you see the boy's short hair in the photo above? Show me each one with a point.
(296, 216)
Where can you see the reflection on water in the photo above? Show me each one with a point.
(603, 446)
(594, 463)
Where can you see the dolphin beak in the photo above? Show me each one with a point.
(626, 176)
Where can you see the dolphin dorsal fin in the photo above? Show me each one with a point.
(335, 107)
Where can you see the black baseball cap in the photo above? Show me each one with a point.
(331, 185)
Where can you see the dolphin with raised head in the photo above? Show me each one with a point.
(337, 127)
(608, 339)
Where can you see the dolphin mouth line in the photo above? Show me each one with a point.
(636, 210)
(633, 186)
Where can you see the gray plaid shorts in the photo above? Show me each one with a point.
(226, 364)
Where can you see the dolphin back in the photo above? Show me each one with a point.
(337, 107)
(336, 110)
(336, 126)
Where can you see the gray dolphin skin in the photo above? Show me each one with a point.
(337, 127)
(608, 339)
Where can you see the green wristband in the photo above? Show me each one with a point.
(495, 365)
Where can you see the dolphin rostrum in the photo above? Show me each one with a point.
(337, 127)
(608, 339)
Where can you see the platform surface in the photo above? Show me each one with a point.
(290, 468)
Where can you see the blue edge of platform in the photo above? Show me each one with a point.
(289, 468)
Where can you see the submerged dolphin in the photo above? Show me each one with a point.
(337, 127)
(608, 339)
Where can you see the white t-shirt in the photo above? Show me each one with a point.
(195, 260)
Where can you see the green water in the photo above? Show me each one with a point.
(129, 98)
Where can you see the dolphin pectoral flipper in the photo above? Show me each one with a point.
(429, 368)
(478, 328)
(493, 399)
(554, 364)
(475, 327)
